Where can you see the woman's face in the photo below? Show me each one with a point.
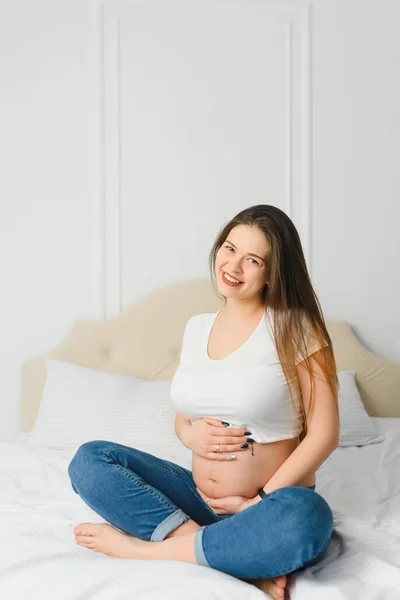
(243, 256)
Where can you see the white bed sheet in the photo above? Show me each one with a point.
(40, 560)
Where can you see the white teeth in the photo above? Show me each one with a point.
(229, 278)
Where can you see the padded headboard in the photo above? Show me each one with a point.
(145, 341)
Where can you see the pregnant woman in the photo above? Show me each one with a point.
(256, 400)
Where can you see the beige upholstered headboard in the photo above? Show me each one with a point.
(145, 340)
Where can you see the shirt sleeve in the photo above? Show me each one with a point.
(312, 344)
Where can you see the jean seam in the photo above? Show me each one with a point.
(198, 497)
(146, 487)
(148, 459)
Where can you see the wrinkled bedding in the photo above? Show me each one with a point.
(40, 560)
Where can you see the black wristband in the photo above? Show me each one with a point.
(261, 493)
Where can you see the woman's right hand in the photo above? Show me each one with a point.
(204, 435)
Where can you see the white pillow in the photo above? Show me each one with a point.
(81, 404)
(356, 426)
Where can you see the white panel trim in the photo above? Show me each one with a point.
(306, 178)
(289, 124)
(289, 13)
(112, 162)
(298, 199)
(99, 241)
(301, 45)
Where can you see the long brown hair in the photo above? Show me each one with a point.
(298, 319)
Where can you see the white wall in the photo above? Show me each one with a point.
(48, 182)
(356, 185)
(214, 106)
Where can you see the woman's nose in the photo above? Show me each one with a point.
(236, 270)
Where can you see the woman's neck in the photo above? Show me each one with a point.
(240, 312)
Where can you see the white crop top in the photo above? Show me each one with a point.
(246, 388)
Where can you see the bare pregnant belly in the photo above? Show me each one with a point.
(247, 473)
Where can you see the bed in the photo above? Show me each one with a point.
(38, 508)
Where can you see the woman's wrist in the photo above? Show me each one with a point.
(255, 500)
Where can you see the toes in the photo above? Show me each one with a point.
(277, 593)
(82, 543)
(281, 581)
(84, 529)
(86, 539)
(86, 545)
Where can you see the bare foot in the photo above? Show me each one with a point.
(274, 587)
(104, 538)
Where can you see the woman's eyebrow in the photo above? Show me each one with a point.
(249, 253)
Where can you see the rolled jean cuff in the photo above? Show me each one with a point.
(198, 548)
(169, 524)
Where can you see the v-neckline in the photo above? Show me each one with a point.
(245, 343)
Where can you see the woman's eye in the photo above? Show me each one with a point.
(254, 261)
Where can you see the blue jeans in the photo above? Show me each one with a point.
(148, 497)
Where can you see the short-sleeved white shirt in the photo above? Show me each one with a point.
(246, 388)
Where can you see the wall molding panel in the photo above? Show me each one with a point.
(295, 18)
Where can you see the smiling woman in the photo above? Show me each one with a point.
(236, 263)
(233, 374)
(229, 246)
(261, 248)
(264, 365)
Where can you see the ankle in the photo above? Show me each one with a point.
(184, 529)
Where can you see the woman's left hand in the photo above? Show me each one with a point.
(228, 504)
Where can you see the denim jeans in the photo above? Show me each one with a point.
(148, 497)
